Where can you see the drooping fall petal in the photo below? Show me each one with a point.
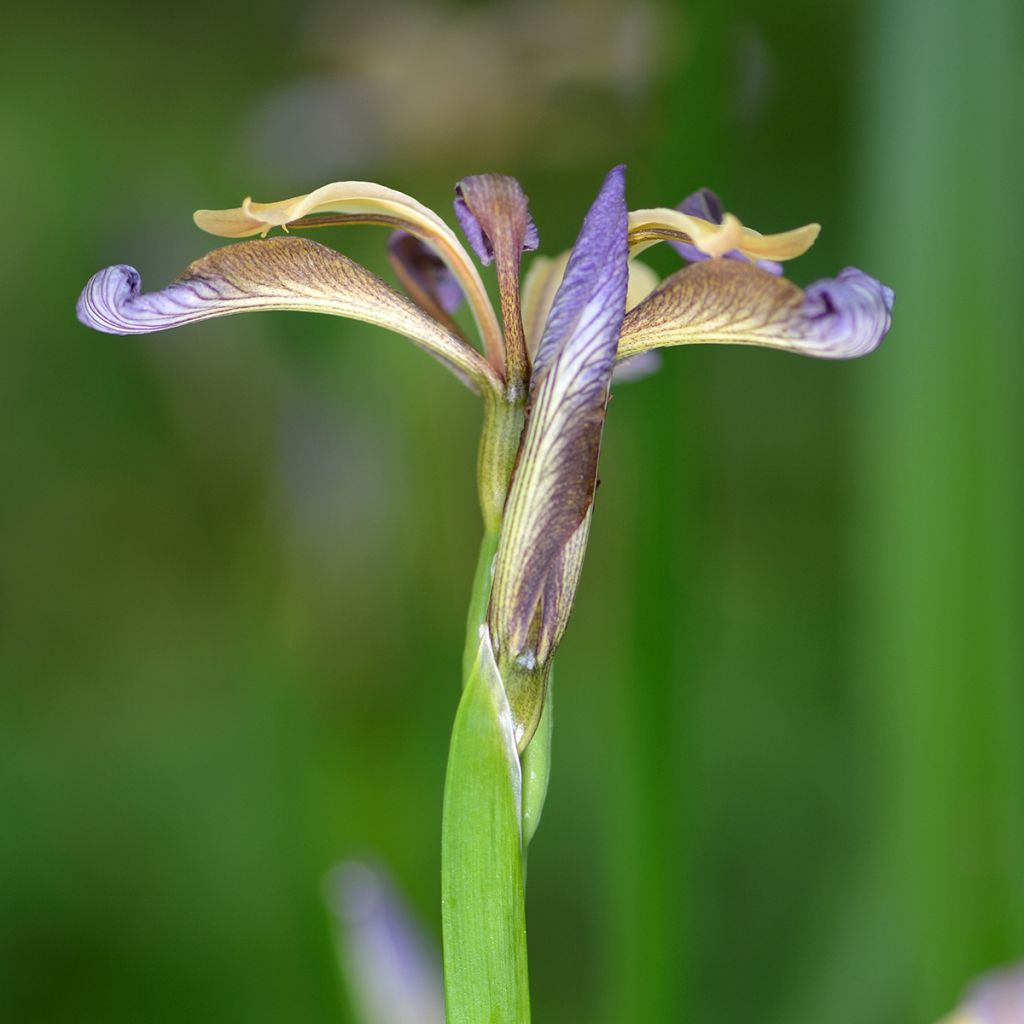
(365, 202)
(279, 273)
(725, 302)
(495, 216)
(540, 553)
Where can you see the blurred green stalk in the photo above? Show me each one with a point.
(940, 555)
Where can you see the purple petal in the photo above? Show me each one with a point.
(425, 276)
(393, 974)
(705, 204)
(588, 307)
(998, 998)
(848, 315)
(636, 367)
(553, 488)
(490, 208)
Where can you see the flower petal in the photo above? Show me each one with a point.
(280, 273)
(646, 227)
(729, 303)
(495, 216)
(392, 971)
(538, 293)
(493, 209)
(636, 367)
(552, 490)
(542, 281)
(365, 202)
(705, 204)
(426, 278)
(995, 998)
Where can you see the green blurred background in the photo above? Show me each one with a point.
(234, 561)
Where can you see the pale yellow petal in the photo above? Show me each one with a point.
(539, 286)
(367, 202)
(642, 281)
(647, 227)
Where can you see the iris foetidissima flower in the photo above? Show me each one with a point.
(544, 368)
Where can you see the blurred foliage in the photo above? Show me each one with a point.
(788, 780)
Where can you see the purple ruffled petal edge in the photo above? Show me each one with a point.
(848, 315)
(111, 303)
(474, 231)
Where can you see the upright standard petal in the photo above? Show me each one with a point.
(365, 202)
(724, 302)
(544, 534)
(280, 273)
(495, 216)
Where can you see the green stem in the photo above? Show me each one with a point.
(478, 601)
(499, 445)
(483, 899)
(483, 906)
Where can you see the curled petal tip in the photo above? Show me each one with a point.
(849, 314)
(493, 210)
(101, 304)
(727, 302)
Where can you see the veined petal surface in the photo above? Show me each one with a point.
(495, 217)
(553, 487)
(368, 203)
(725, 302)
(493, 210)
(279, 273)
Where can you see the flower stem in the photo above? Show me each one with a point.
(483, 909)
(478, 601)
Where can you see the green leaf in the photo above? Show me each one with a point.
(482, 896)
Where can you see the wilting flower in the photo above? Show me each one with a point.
(544, 369)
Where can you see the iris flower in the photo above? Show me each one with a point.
(543, 367)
